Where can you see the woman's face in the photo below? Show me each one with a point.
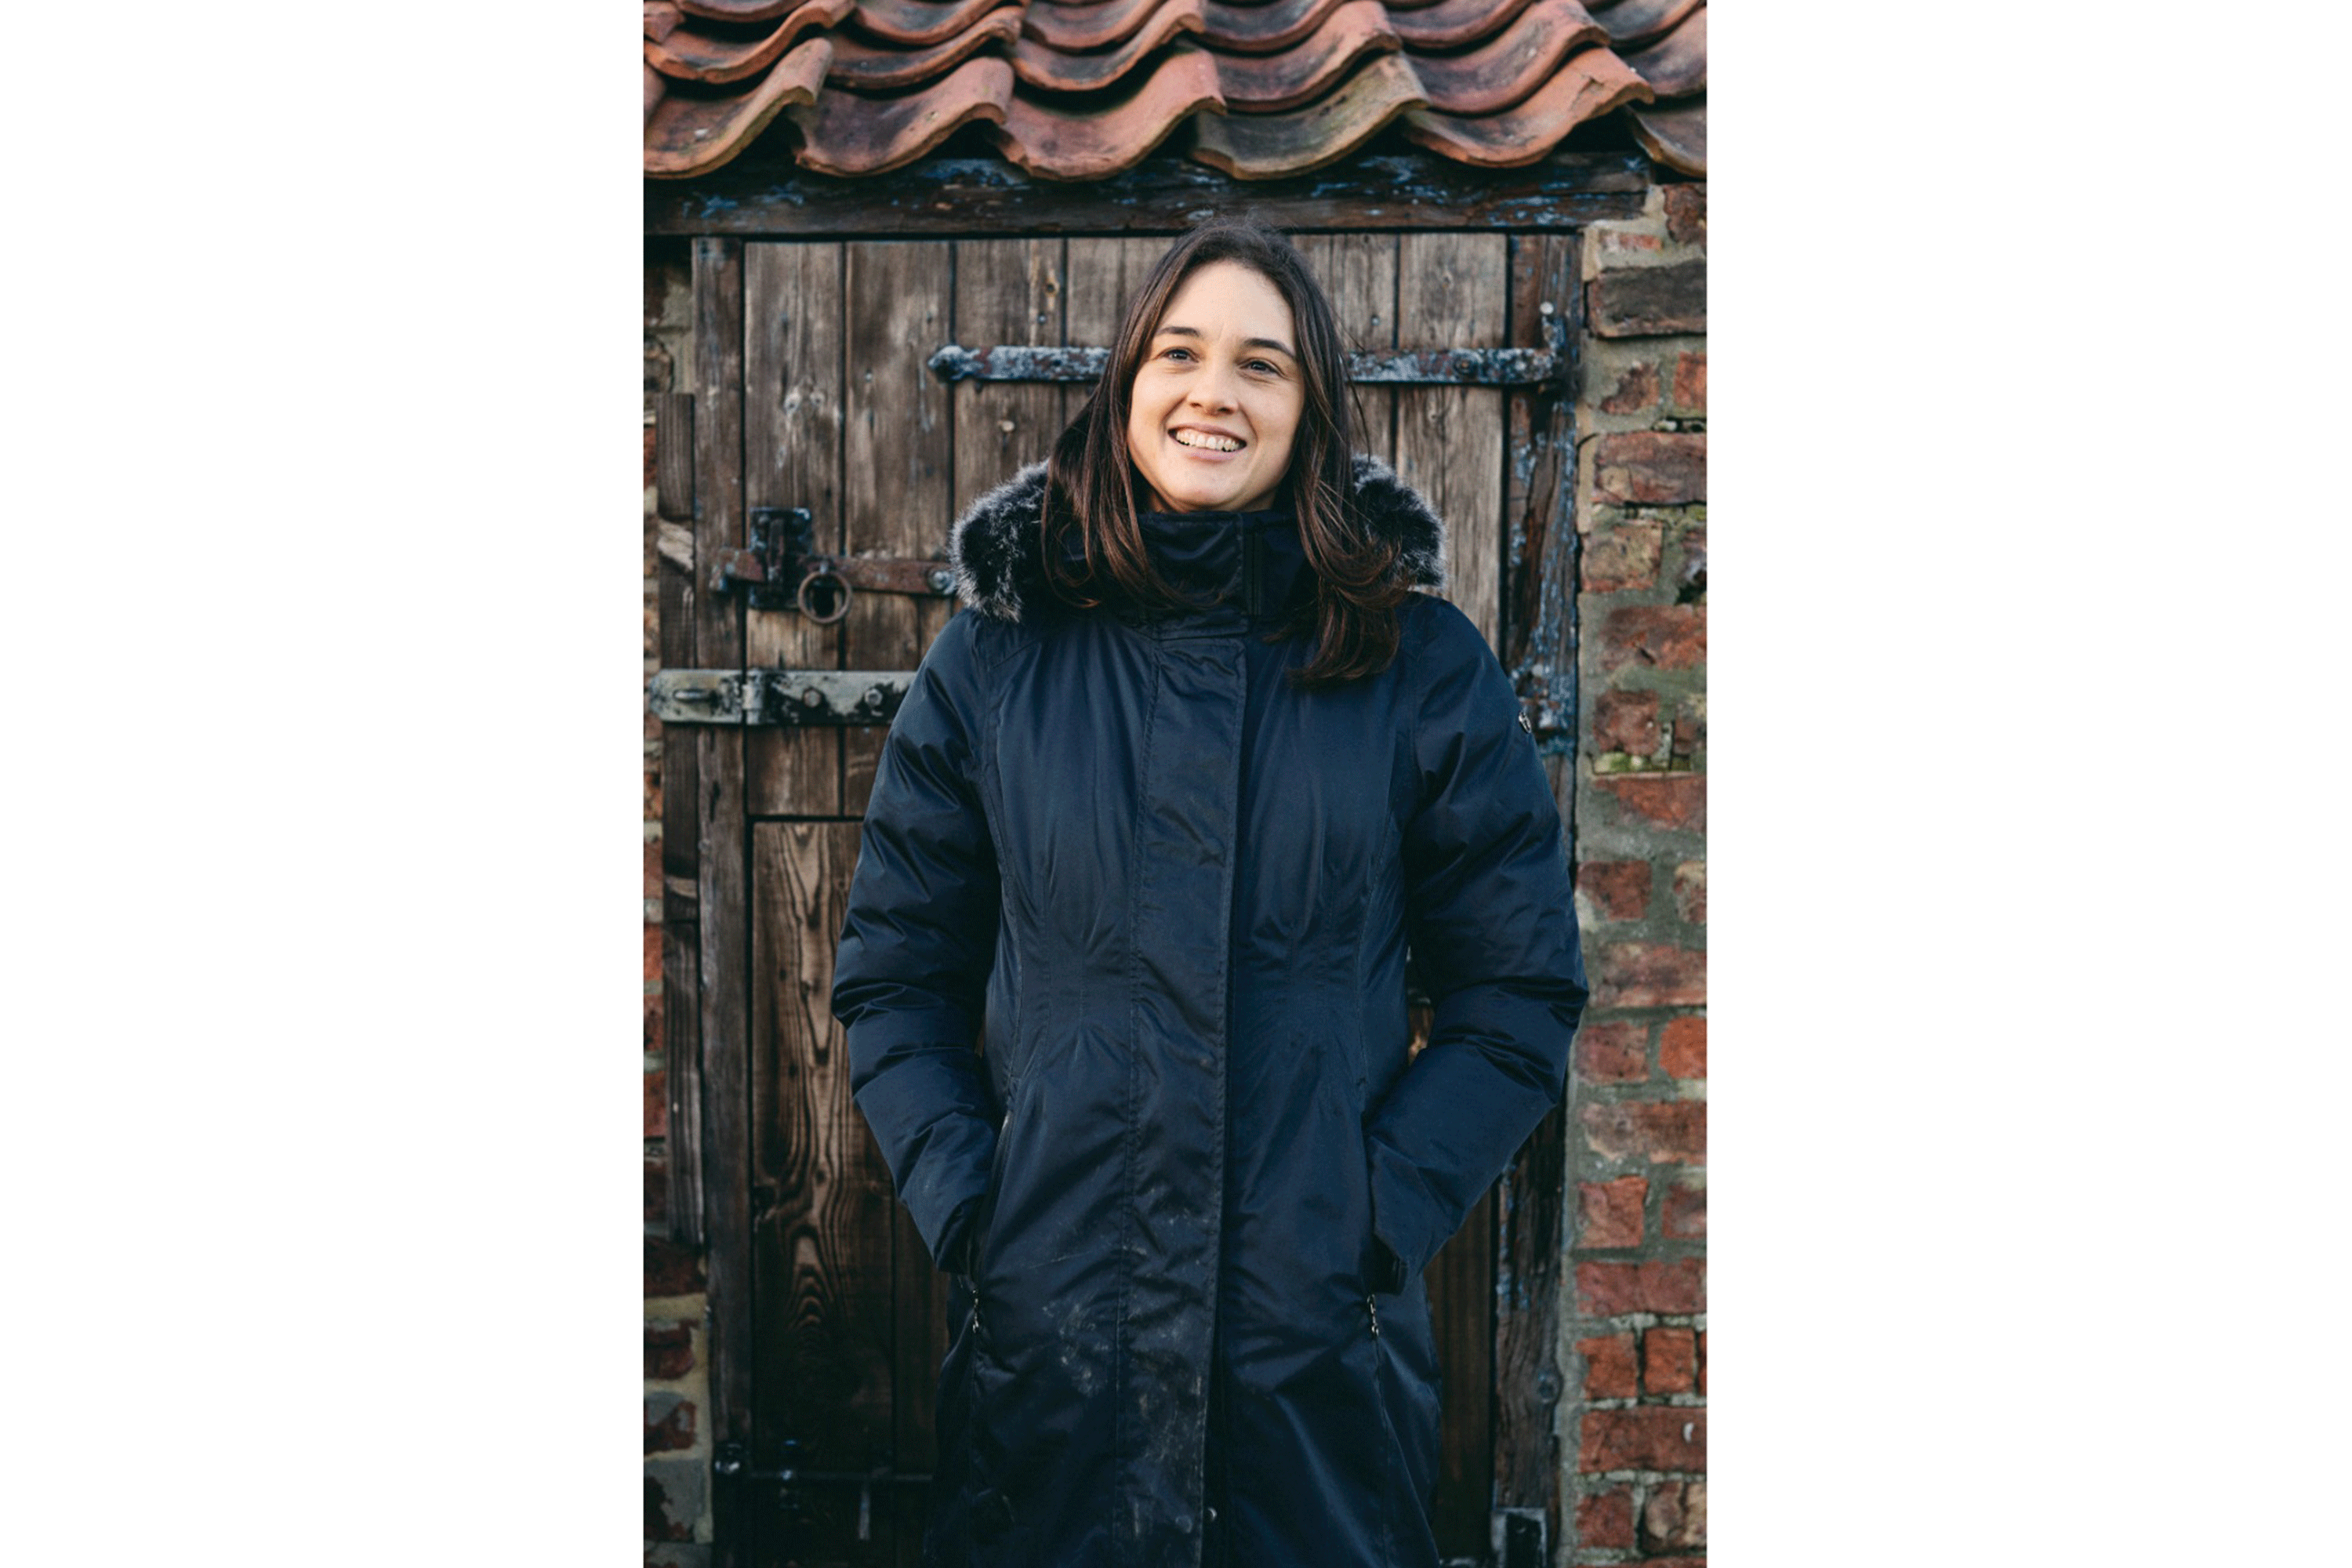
(1218, 396)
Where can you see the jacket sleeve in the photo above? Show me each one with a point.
(918, 937)
(1492, 925)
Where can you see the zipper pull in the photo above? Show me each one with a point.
(1373, 1307)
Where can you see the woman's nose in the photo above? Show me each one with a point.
(1213, 389)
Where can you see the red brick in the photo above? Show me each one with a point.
(1682, 1215)
(1669, 1285)
(1702, 1360)
(1647, 301)
(1665, 800)
(657, 1103)
(1636, 389)
(669, 1349)
(671, 1269)
(1690, 727)
(1669, 1360)
(1647, 1438)
(654, 864)
(1682, 1046)
(1690, 892)
(1609, 1367)
(652, 949)
(669, 1423)
(1658, 637)
(1609, 1214)
(1671, 1131)
(1619, 890)
(1648, 974)
(1605, 1518)
(656, 1026)
(1627, 243)
(1674, 1518)
(1620, 557)
(657, 1191)
(1626, 721)
(649, 456)
(674, 1494)
(1686, 214)
(1650, 467)
(1616, 1052)
(1690, 385)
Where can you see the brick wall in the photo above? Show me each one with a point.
(1637, 1322)
(677, 1441)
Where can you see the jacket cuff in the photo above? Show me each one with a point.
(1405, 1225)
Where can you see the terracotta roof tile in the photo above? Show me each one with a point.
(1676, 64)
(1633, 23)
(1102, 139)
(1506, 69)
(1450, 24)
(845, 132)
(1310, 68)
(1078, 90)
(1093, 24)
(691, 134)
(859, 64)
(1591, 83)
(1039, 64)
(685, 51)
(919, 21)
(1266, 146)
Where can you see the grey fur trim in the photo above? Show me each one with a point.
(994, 550)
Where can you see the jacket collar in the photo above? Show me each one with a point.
(994, 548)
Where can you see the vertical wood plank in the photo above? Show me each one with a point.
(720, 868)
(792, 457)
(1359, 272)
(1539, 639)
(1451, 290)
(1006, 291)
(1104, 273)
(898, 474)
(681, 905)
(821, 1219)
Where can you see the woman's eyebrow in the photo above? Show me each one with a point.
(1276, 344)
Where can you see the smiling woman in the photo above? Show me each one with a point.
(1214, 406)
(1153, 826)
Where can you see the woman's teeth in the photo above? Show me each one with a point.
(1214, 443)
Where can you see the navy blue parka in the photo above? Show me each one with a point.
(1188, 1181)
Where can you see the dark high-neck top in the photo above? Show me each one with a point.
(1248, 561)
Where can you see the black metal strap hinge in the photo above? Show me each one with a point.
(1419, 367)
(783, 570)
(792, 698)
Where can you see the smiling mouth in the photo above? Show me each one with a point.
(1204, 443)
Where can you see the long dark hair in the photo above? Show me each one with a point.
(1091, 474)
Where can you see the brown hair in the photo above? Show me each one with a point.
(1091, 475)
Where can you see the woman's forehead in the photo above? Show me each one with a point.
(1224, 298)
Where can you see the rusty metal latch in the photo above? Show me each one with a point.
(784, 571)
(789, 1484)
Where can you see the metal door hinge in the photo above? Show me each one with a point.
(783, 570)
(1516, 1536)
(1415, 367)
(792, 699)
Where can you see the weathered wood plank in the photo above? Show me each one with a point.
(724, 977)
(1450, 290)
(1359, 274)
(821, 1199)
(1104, 274)
(767, 195)
(1006, 291)
(899, 490)
(1461, 1311)
(681, 934)
(792, 363)
(1538, 649)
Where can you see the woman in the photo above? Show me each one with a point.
(1154, 827)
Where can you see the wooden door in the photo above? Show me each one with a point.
(811, 390)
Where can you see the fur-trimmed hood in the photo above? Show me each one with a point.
(995, 547)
